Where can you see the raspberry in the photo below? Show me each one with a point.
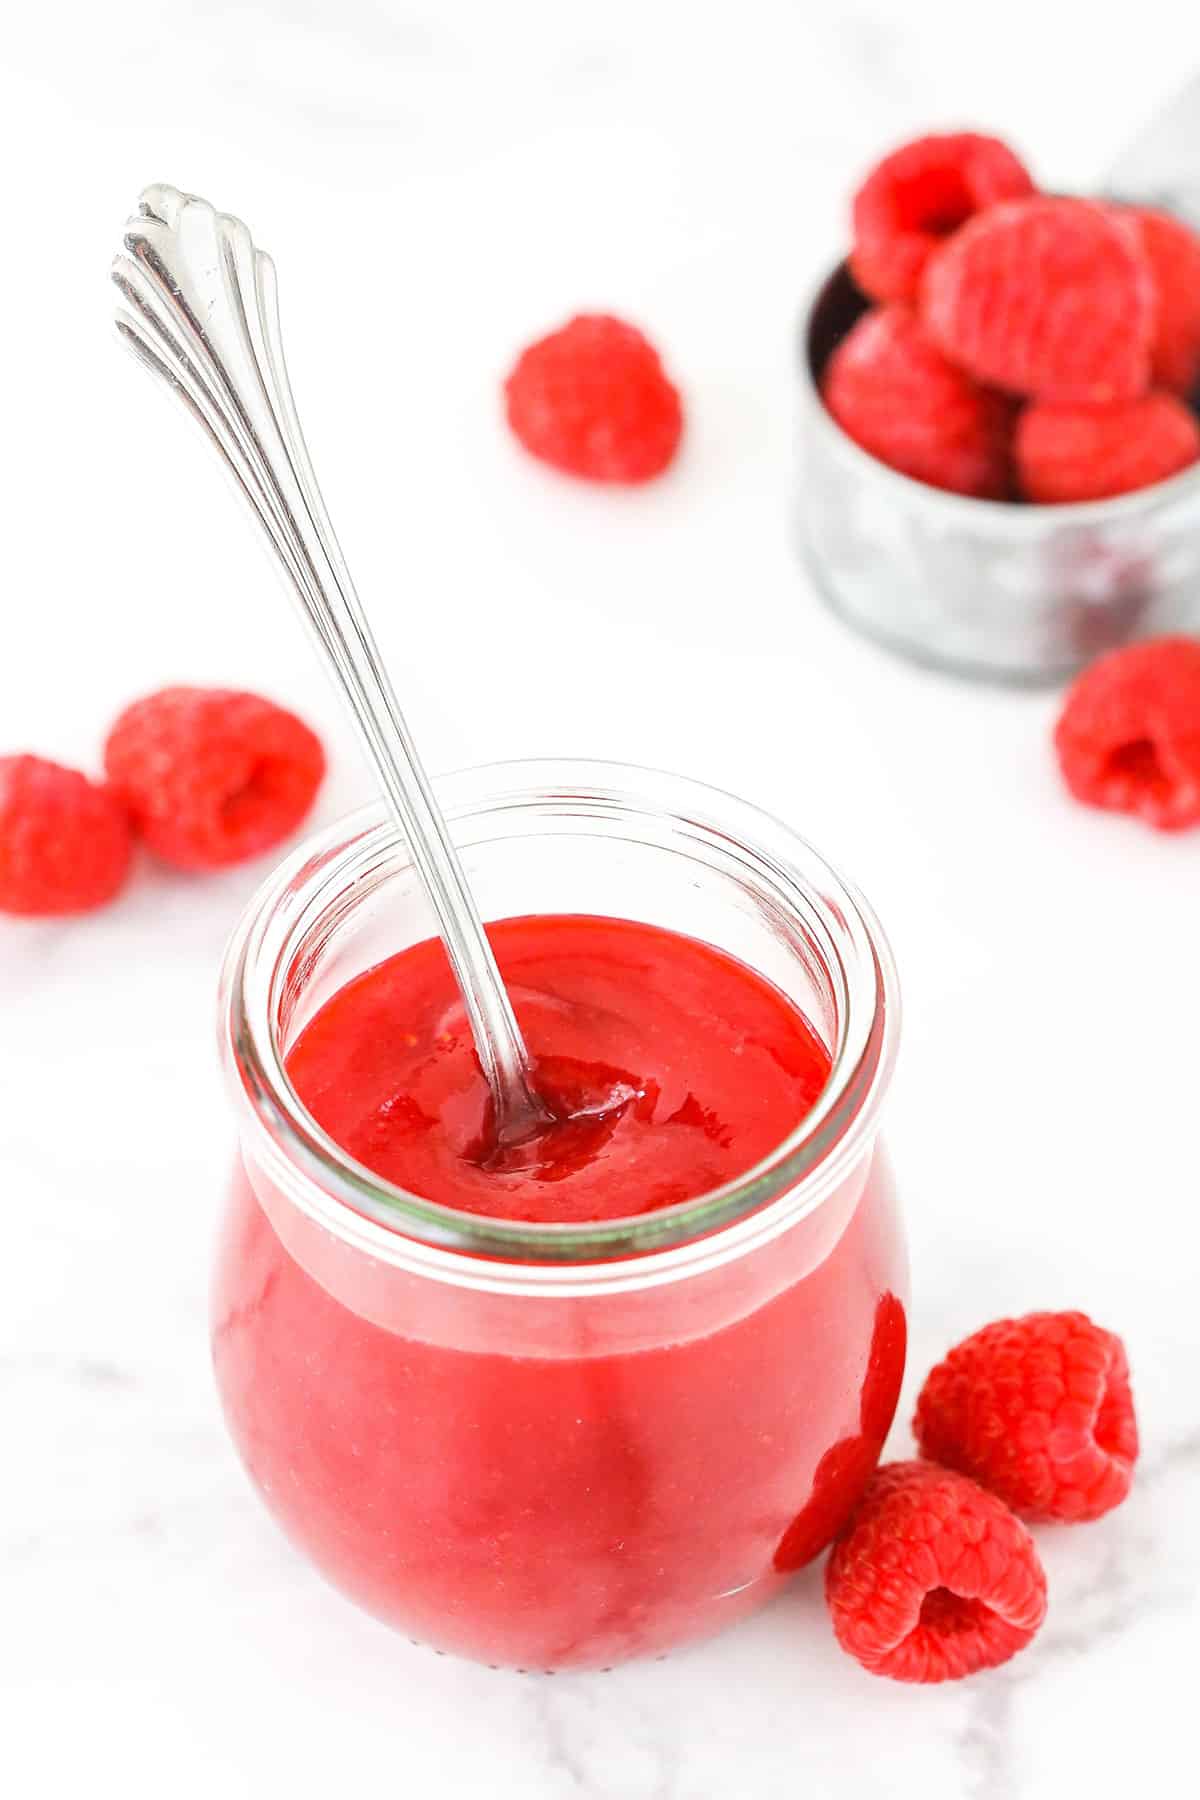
(1052, 298)
(210, 776)
(1128, 737)
(1066, 453)
(934, 1578)
(845, 1469)
(64, 842)
(917, 196)
(1173, 251)
(1039, 1410)
(897, 396)
(593, 400)
(841, 1476)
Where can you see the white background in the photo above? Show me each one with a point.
(439, 181)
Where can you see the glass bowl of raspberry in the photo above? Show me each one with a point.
(999, 427)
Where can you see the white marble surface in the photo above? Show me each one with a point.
(688, 165)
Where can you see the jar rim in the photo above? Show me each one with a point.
(390, 1223)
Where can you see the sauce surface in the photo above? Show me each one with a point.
(669, 1066)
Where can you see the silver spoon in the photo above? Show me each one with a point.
(201, 310)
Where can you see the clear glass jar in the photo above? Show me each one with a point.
(557, 1446)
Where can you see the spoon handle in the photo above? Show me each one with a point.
(201, 310)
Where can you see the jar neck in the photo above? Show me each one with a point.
(624, 841)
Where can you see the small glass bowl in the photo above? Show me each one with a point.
(991, 589)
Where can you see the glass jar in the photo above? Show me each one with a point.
(558, 1446)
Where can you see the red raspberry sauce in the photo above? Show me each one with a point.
(670, 1067)
(553, 1483)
